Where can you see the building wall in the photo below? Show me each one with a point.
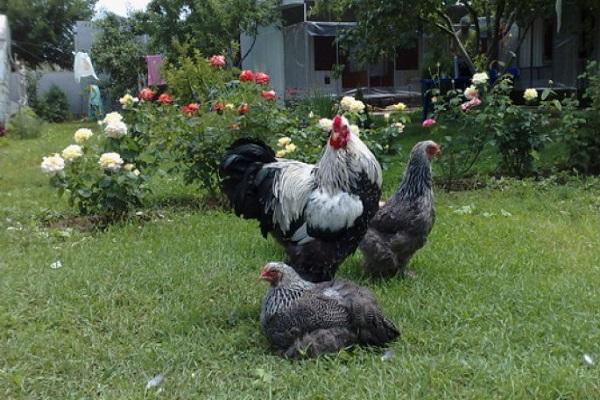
(4, 70)
(267, 55)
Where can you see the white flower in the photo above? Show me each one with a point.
(136, 172)
(284, 141)
(110, 161)
(325, 124)
(530, 94)
(128, 100)
(398, 106)
(290, 148)
(71, 152)
(471, 92)
(116, 129)
(112, 117)
(386, 116)
(480, 78)
(52, 164)
(280, 153)
(82, 134)
(349, 103)
(311, 115)
(399, 126)
(355, 130)
(128, 167)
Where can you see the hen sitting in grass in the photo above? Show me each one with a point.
(402, 224)
(302, 318)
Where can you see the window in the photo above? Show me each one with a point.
(324, 52)
(407, 58)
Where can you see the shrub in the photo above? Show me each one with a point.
(99, 174)
(53, 105)
(24, 124)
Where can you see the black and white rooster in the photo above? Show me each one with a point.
(305, 318)
(401, 226)
(318, 213)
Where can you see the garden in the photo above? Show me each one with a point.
(126, 274)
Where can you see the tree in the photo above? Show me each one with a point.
(42, 30)
(382, 25)
(212, 26)
(118, 52)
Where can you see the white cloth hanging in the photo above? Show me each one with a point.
(82, 67)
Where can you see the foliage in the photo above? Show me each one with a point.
(53, 105)
(210, 26)
(42, 31)
(118, 52)
(581, 132)
(24, 124)
(100, 175)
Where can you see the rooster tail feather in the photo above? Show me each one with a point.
(245, 183)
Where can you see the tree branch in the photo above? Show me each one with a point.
(461, 47)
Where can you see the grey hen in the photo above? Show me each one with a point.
(302, 318)
(402, 224)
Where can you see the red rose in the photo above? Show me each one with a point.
(246, 76)
(190, 109)
(165, 99)
(243, 109)
(147, 94)
(268, 95)
(261, 78)
(218, 107)
(217, 61)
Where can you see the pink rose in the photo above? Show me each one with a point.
(261, 78)
(246, 76)
(243, 108)
(268, 95)
(147, 94)
(429, 122)
(217, 61)
(165, 99)
(190, 109)
(474, 102)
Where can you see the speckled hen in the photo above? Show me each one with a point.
(402, 224)
(302, 318)
(318, 213)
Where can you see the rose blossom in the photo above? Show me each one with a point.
(261, 78)
(146, 94)
(52, 164)
(471, 92)
(82, 134)
(243, 108)
(474, 102)
(429, 122)
(217, 61)
(190, 109)
(110, 161)
(268, 95)
(165, 99)
(71, 152)
(246, 76)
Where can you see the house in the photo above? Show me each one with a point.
(301, 56)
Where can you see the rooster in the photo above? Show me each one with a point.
(401, 226)
(318, 213)
(305, 318)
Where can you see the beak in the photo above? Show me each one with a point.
(264, 274)
(439, 151)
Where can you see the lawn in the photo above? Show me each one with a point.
(505, 304)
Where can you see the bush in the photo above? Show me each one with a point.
(53, 105)
(24, 124)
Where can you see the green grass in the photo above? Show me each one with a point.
(503, 306)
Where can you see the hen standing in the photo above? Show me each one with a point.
(304, 318)
(401, 226)
(318, 213)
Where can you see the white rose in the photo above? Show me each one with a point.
(52, 164)
(112, 117)
(72, 152)
(116, 129)
(311, 115)
(530, 94)
(346, 102)
(128, 100)
(471, 92)
(290, 148)
(355, 130)
(399, 106)
(325, 124)
(357, 106)
(284, 141)
(110, 161)
(83, 134)
(128, 167)
(386, 116)
(480, 78)
(280, 153)
(399, 126)
(136, 172)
